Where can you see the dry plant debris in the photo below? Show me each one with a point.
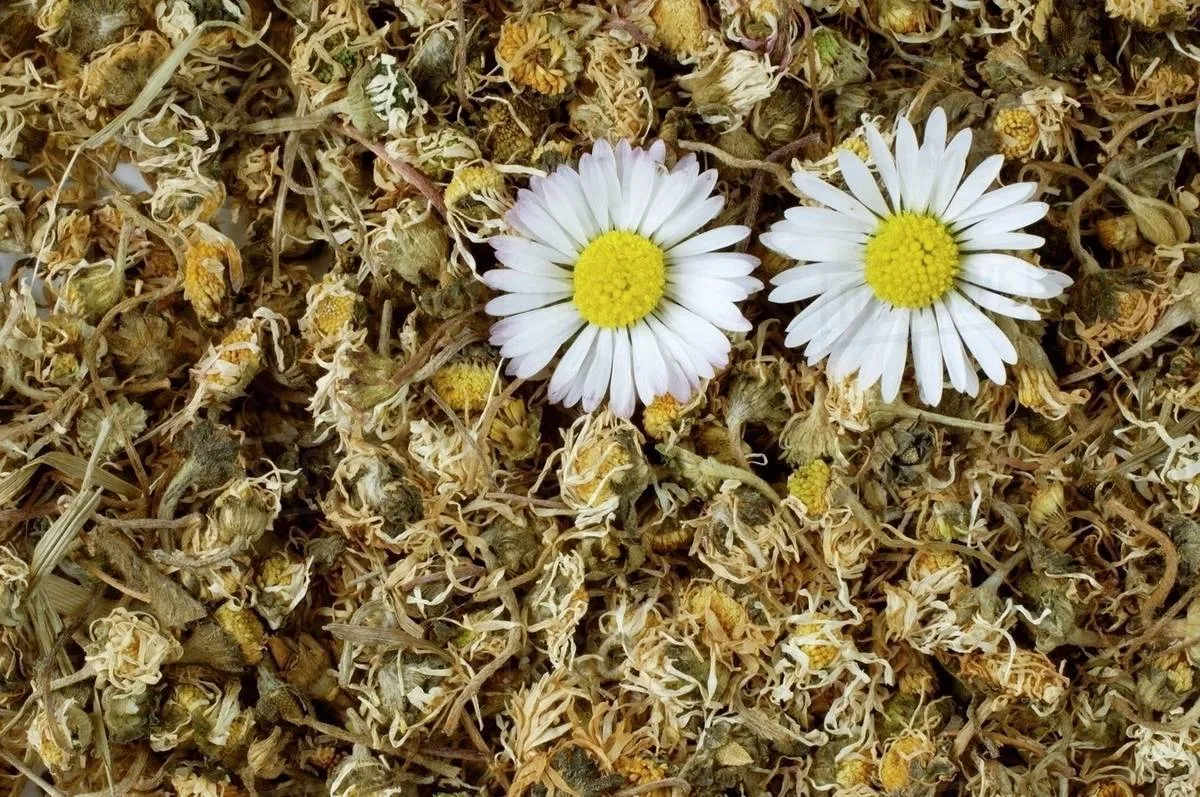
(274, 519)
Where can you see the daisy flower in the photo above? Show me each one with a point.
(915, 268)
(606, 263)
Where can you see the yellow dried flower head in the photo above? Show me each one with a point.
(1119, 233)
(854, 771)
(240, 348)
(928, 562)
(640, 770)
(470, 183)
(466, 385)
(537, 53)
(660, 415)
(1166, 83)
(1017, 131)
(680, 26)
(729, 614)
(93, 288)
(332, 307)
(244, 627)
(210, 257)
(858, 145)
(128, 420)
(1178, 669)
(603, 466)
(1047, 505)
(602, 461)
(282, 583)
(509, 130)
(810, 485)
(902, 759)
(1109, 788)
(117, 74)
(142, 344)
(823, 652)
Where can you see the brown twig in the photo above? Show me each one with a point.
(409, 173)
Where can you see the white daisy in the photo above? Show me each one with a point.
(604, 260)
(914, 267)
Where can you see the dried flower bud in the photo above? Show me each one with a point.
(1037, 384)
(118, 73)
(1119, 233)
(809, 484)
(243, 626)
(411, 244)
(905, 18)
(937, 571)
(475, 191)
(92, 289)
(1109, 788)
(1164, 683)
(128, 651)
(142, 343)
(603, 467)
(904, 761)
(282, 582)
(614, 101)
(128, 421)
(61, 738)
(854, 771)
(727, 87)
(681, 26)
(1020, 674)
(306, 665)
(333, 306)
(660, 416)
(1047, 508)
(127, 718)
(381, 97)
(839, 62)
(779, 119)
(212, 259)
(1160, 222)
(537, 53)
(14, 586)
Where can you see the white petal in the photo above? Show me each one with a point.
(927, 356)
(803, 219)
(600, 372)
(570, 208)
(693, 330)
(997, 303)
(882, 342)
(913, 184)
(514, 303)
(710, 241)
(601, 188)
(850, 311)
(547, 327)
(832, 197)
(692, 364)
(698, 209)
(640, 193)
(836, 278)
(550, 198)
(688, 289)
(533, 361)
(511, 248)
(994, 202)
(935, 132)
(1007, 274)
(673, 190)
(886, 165)
(546, 224)
(960, 369)
(980, 335)
(813, 248)
(860, 182)
(815, 315)
(622, 398)
(714, 264)
(649, 367)
(973, 187)
(858, 343)
(1005, 221)
(1003, 241)
(569, 368)
(896, 355)
(720, 313)
(506, 279)
(950, 172)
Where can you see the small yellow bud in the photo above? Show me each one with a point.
(910, 751)
(1017, 130)
(810, 485)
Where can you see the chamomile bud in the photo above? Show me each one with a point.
(61, 736)
(211, 257)
(410, 244)
(603, 467)
(282, 581)
(904, 760)
(92, 289)
(243, 626)
(1017, 131)
(129, 650)
(118, 73)
(809, 484)
(14, 586)
(333, 306)
(1119, 233)
(127, 420)
(681, 26)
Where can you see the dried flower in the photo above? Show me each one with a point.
(809, 484)
(537, 53)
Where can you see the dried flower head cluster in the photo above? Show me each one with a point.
(389, 405)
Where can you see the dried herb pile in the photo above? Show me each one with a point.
(273, 520)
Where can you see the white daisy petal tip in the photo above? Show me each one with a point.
(870, 301)
(609, 285)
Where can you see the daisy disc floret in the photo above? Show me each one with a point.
(918, 265)
(606, 264)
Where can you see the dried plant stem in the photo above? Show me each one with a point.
(1170, 558)
(780, 173)
(409, 173)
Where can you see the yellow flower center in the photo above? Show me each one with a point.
(619, 278)
(912, 260)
